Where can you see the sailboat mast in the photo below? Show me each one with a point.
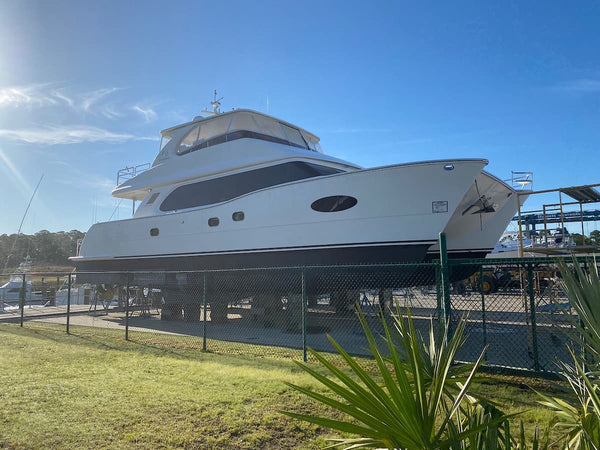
(21, 224)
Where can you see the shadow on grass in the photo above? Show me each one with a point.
(246, 356)
(114, 340)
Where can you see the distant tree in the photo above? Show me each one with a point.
(44, 247)
(595, 237)
(580, 239)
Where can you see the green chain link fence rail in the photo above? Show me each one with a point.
(514, 306)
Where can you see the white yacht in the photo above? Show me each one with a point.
(10, 292)
(243, 189)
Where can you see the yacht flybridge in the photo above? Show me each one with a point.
(243, 189)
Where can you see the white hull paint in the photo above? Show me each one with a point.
(395, 208)
(472, 234)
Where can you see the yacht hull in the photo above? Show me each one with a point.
(399, 213)
(480, 219)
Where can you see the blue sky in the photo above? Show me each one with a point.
(85, 87)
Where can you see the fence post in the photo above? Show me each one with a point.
(304, 315)
(127, 310)
(68, 303)
(438, 292)
(445, 282)
(584, 353)
(534, 342)
(483, 322)
(204, 311)
(53, 303)
(22, 297)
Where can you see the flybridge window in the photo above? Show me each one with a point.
(242, 125)
(162, 153)
(293, 136)
(202, 132)
(164, 141)
(231, 186)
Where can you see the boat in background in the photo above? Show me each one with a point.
(10, 292)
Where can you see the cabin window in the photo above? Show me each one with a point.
(269, 127)
(238, 216)
(234, 135)
(202, 133)
(243, 125)
(334, 203)
(162, 153)
(228, 187)
(312, 145)
(152, 198)
(293, 136)
(153, 232)
(243, 121)
(189, 140)
(217, 126)
(213, 222)
(164, 141)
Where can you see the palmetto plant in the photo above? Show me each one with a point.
(418, 399)
(578, 418)
(583, 290)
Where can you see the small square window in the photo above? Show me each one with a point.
(238, 216)
(152, 198)
(213, 221)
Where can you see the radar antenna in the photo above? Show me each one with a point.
(216, 104)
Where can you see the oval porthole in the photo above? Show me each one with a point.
(237, 216)
(449, 167)
(334, 203)
(213, 222)
(153, 231)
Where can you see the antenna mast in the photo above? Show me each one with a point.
(216, 104)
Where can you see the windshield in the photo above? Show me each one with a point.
(243, 124)
(202, 132)
(163, 152)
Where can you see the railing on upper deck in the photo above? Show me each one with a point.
(129, 172)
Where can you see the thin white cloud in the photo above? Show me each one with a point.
(55, 135)
(33, 95)
(110, 111)
(46, 94)
(93, 97)
(58, 93)
(100, 102)
(582, 85)
(148, 114)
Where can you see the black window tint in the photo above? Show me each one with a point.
(232, 186)
(334, 203)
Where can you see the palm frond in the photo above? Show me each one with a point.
(417, 398)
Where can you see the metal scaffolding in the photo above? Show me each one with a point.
(554, 213)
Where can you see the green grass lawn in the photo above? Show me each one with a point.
(93, 389)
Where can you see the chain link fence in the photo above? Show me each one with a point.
(514, 307)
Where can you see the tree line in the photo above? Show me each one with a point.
(593, 239)
(44, 248)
